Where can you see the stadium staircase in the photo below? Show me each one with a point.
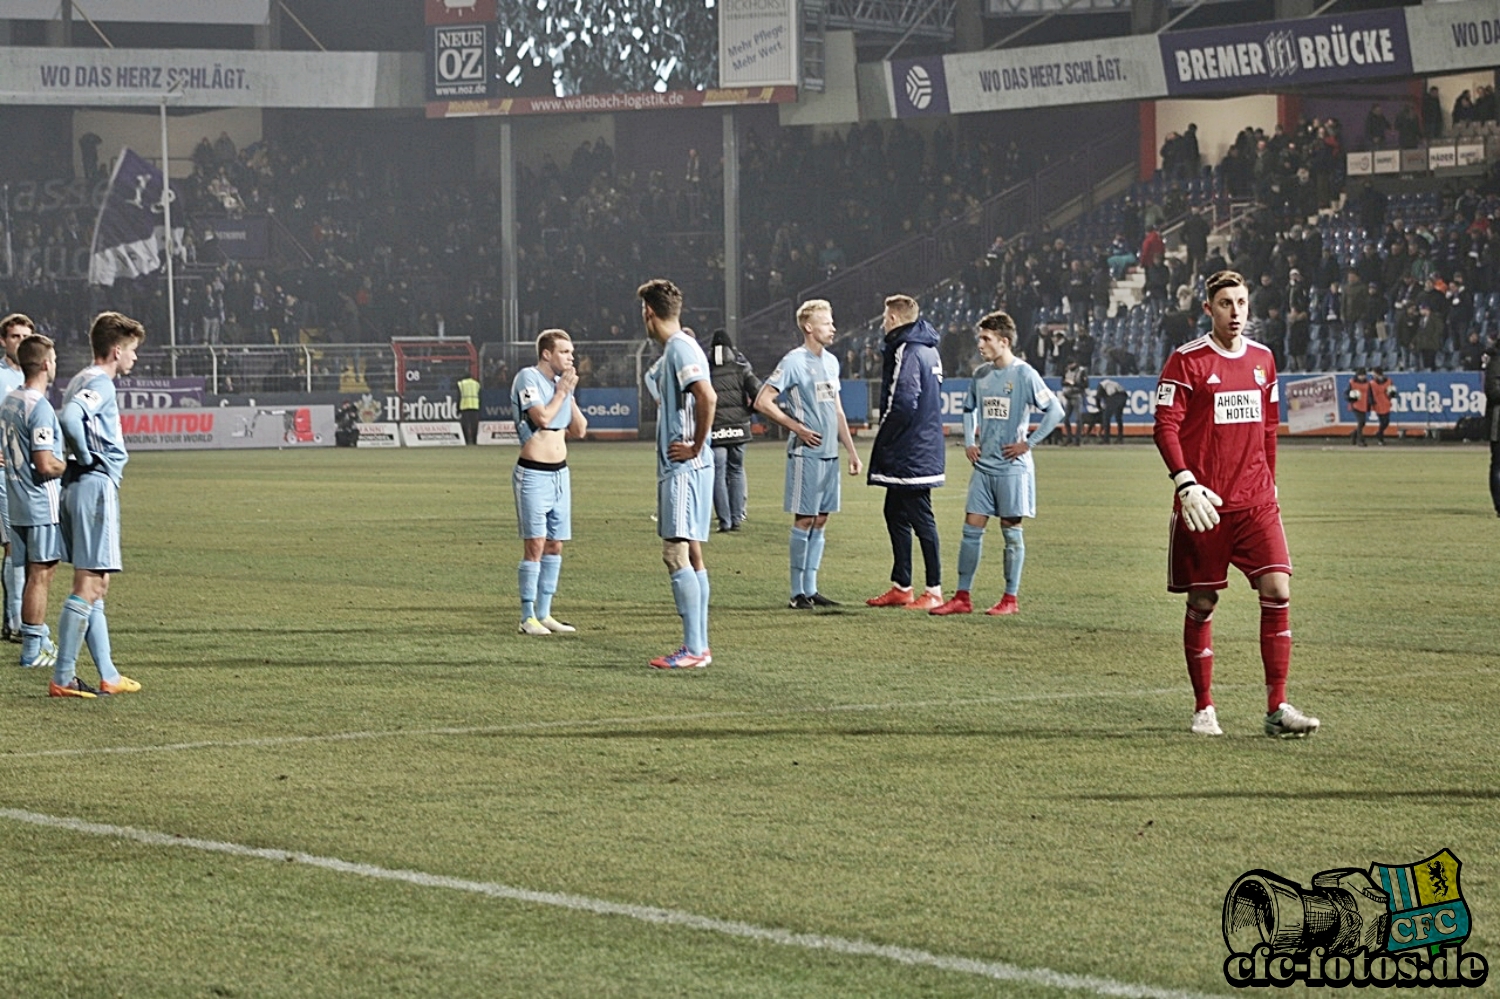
(919, 265)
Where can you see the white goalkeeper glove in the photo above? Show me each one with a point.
(1197, 501)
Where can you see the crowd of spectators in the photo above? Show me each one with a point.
(1423, 120)
(367, 250)
(1421, 292)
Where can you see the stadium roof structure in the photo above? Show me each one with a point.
(930, 19)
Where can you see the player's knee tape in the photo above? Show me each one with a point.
(675, 554)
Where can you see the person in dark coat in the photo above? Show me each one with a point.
(1492, 420)
(1195, 232)
(735, 382)
(907, 458)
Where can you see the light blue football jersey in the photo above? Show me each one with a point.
(809, 388)
(92, 395)
(997, 411)
(29, 424)
(10, 379)
(533, 388)
(682, 363)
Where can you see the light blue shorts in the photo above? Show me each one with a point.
(1009, 495)
(685, 504)
(40, 544)
(812, 485)
(544, 503)
(91, 523)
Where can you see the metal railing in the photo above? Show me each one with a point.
(231, 369)
(922, 262)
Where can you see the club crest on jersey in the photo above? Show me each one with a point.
(1260, 376)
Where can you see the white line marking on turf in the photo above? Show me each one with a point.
(396, 733)
(998, 970)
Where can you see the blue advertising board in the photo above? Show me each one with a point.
(1423, 398)
(920, 86)
(1263, 56)
(613, 409)
(855, 393)
(610, 408)
(494, 404)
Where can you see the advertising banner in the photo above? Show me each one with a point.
(1436, 399)
(155, 11)
(226, 427)
(432, 434)
(610, 408)
(159, 393)
(1309, 403)
(498, 432)
(1448, 37)
(216, 78)
(238, 239)
(1140, 394)
(611, 103)
(399, 409)
(1279, 54)
(461, 61)
(494, 404)
(379, 435)
(919, 87)
(1110, 69)
(758, 44)
(460, 11)
(855, 394)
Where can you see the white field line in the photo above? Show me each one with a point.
(567, 723)
(997, 970)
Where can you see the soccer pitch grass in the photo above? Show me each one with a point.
(1009, 806)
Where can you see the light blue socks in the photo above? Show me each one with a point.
(815, 542)
(1015, 558)
(798, 559)
(527, 576)
(969, 551)
(547, 585)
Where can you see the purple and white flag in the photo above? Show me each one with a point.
(128, 234)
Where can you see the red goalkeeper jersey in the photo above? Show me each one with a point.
(1216, 416)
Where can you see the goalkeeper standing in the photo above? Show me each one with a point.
(1217, 411)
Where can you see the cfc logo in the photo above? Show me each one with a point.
(1388, 926)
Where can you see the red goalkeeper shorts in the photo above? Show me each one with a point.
(1252, 541)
